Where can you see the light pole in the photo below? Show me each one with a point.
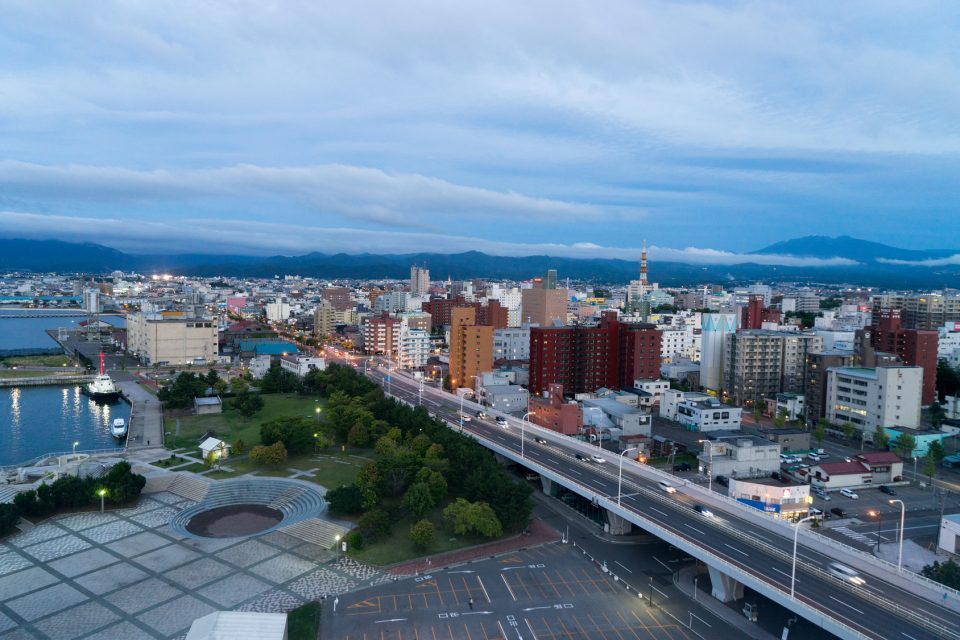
(317, 411)
(879, 516)
(522, 420)
(710, 470)
(337, 538)
(903, 515)
(462, 396)
(74, 449)
(620, 473)
(793, 571)
(102, 493)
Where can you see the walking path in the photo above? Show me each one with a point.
(146, 421)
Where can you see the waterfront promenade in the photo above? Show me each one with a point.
(146, 416)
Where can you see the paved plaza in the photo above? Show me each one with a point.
(127, 574)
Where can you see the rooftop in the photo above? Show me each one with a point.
(843, 468)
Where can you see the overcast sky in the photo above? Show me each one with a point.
(568, 128)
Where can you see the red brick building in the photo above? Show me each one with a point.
(611, 354)
(915, 347)
(491, 314)
(751, 316)
(550, 411)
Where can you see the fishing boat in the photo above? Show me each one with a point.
(119, 428)
(103, 387)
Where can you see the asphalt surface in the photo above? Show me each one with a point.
(877, 609)
(545, 593)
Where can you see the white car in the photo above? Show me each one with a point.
(845, 573)
(598, 459)
(666, 486)
(849, 493)
(502, 421)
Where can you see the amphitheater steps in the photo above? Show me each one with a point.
(286, 498)
(7, 494)
(189, 487)
(316, 531)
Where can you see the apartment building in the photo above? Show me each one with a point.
(928, 311)
(412, 348)
(872, 397)
(761, 363)
(915, 347)
(511, 344)
(471, 347)
(815, 393)
(324, 319)
(419, 280)
(379, 334)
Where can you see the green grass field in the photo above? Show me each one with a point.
(303, 623)
(333, 467)
(397, 546)
(231, 426)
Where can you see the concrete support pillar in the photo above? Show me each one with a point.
(616, 525)
(501, 459)
(725, 588)
(547, 485)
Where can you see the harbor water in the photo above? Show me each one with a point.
(39, 420)
(18, 331)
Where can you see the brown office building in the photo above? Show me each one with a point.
(543, 304)
(339, 297)
(471, 347)
(815, 396)
(915, 347)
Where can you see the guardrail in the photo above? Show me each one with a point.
(33, 461)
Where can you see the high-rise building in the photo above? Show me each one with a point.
(640, 353)
(471, 347)
(324, 319)
(716, 329)
(542, 305)
(928, 311)
(379, 334)
(751, 316)
(816, 387)
(760, 363)
(419, 280)
(339, 297)
(915, 347)
(869, 398)
(413, 348)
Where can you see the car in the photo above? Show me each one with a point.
(481, 415)
(837, 511)
(888, 490)
(540, 440)
(845, 573)
(776, 475)
(702, 510)
(501, 421)
(850, 493)
(580, 456)
(723, 481)
(820, 452)
(683, 466)
(465, 417)
(814, 457)
(816, 513)
(666, 486)
(598, 459)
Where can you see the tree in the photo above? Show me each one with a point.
(239, 447)
(9, 517)
(880, 438)
(180, 393)
(247, 403)
(819, 433)
(296, 433)
(757, 414)
(418, 500)
(345, 500)
(906, 444)
(239, 385)
(936, 451)
(848, 430)
(273, 455)
(374, 524)
(948, 380)
(220, 386)
(435, 482)
(930, 468)
(421, 534)
(464, 517)
(946, 573)
(359, 436)
(212, 377)
(279, 380)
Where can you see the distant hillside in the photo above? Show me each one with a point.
(847, 247)
(51, 255)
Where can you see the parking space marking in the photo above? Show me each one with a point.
(485, 594)
(512, 595)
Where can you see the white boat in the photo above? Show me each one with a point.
(103, 386)
(119, 428)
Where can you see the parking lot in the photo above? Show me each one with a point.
(543, 593)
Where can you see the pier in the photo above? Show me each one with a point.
(45, 380)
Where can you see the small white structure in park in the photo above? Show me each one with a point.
(214, 449)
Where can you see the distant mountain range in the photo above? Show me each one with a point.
(872, 269)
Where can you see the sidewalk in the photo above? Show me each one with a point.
(539, 534)
(686, 586)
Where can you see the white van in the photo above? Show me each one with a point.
(850, 493)
(814, 457)
(666, 486)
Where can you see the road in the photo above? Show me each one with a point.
(878, 609)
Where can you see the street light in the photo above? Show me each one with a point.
(317, 411)
(710, 471)
(102, 493)
(903, 514)
(75, 448)
(620, 473)
(522, 420)
(793, 571)
(876, 513)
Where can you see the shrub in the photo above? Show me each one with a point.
(375, 524)
(355, 540)
(421, 534)
(273, 455)
(346, 499)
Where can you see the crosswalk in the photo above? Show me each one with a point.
(863, 538)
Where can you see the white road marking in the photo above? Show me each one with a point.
(846, 605)
(784, 573)
(627, 570)
(740, 551)
(508, 588)
(529, 626)
(576, 472)
(485, 594)
(694, 528)
(663, 513)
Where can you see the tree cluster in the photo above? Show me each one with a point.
(180, 393)
(296, 433)
(247, 403)
(70, 492)
(946, 573)
(279, 380)
(269, 455)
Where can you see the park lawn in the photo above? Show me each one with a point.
(37, 361)
(231, 426)
(397, 547)
(334, 468)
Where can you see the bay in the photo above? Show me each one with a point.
(19, 332)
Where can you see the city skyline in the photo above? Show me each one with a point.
(709, 130)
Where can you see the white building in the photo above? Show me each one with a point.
(301, 365)
(708, 415)
(950, 533)
(739, 456)
(948, 347)
(772, 497)
(391, 302)
(716, 328)
(607, 414)
(868, 398)
(277, 311)
(172, 339)
(670, 399)
(679, 343)
(834, 339)
(511, 344)
(656, 388)
(412, 348)
(419, 280)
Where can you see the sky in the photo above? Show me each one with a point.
(564, 128)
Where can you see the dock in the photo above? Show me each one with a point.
(45, 381)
